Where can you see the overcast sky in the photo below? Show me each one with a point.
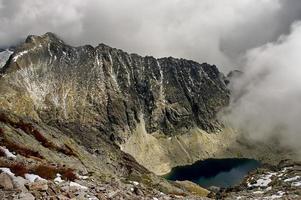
(260, 37)
(213, 31)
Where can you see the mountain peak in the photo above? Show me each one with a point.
(49, 36)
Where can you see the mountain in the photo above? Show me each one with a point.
(110, 89)
(114, 117)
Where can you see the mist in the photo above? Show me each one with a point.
(212, 31)
(266, 98)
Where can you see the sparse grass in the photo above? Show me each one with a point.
(45, 171)
(67, 151)
(31, 130)
(50, 172)
(18, 169)
(19, 149)
(69, 174)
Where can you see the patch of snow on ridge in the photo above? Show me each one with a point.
(263, 181)
(278, 195)
(32, 177)
(19, 54)
(296, 184)
(292, 179)
(82, 177)
(7, 171)
(4, 56)
(7, 153)
(58, 179)
(15, 58)
(73, 184)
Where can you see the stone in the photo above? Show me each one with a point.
(6, 182)
(113, 194)
(101, 196)
(25, 196)
(62, 197)
(137, 191)
(19, 183)
(214, 188)
(39, 185)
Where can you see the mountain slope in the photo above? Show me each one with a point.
(109, 89)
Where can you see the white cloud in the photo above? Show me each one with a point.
(268, 96)
(211, 31)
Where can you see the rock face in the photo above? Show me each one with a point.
(110, 92)
(109, 89)
(6, 182)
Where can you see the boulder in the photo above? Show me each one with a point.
(19, 183)
(6, 182)
(25, 196)
(39, 185)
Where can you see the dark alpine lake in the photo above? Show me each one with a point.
(214, 172)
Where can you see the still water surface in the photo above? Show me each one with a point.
(214, 172)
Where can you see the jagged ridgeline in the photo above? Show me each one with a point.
(109, 89)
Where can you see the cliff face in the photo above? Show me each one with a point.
(109, 89)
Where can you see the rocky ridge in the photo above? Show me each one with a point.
(282, 181)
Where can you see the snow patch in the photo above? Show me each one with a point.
(4, 56)
(7, 171)
(8, 154)
(278, 195)
(32, 178)
(296, 184)
(263, 181)
(82, 177)
(58, 179)
(73, 184)
(134, 182)
(258, 192)
(292, 179)
(18, 55)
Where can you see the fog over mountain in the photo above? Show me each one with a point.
(261, 38)
(212, 31)
(266, 99)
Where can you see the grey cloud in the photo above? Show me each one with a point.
(211, 31)
(266, 99)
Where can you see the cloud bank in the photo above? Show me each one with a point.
(266, 99)
(212, 31)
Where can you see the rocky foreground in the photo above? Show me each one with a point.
(25, 182)
(282, 181)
